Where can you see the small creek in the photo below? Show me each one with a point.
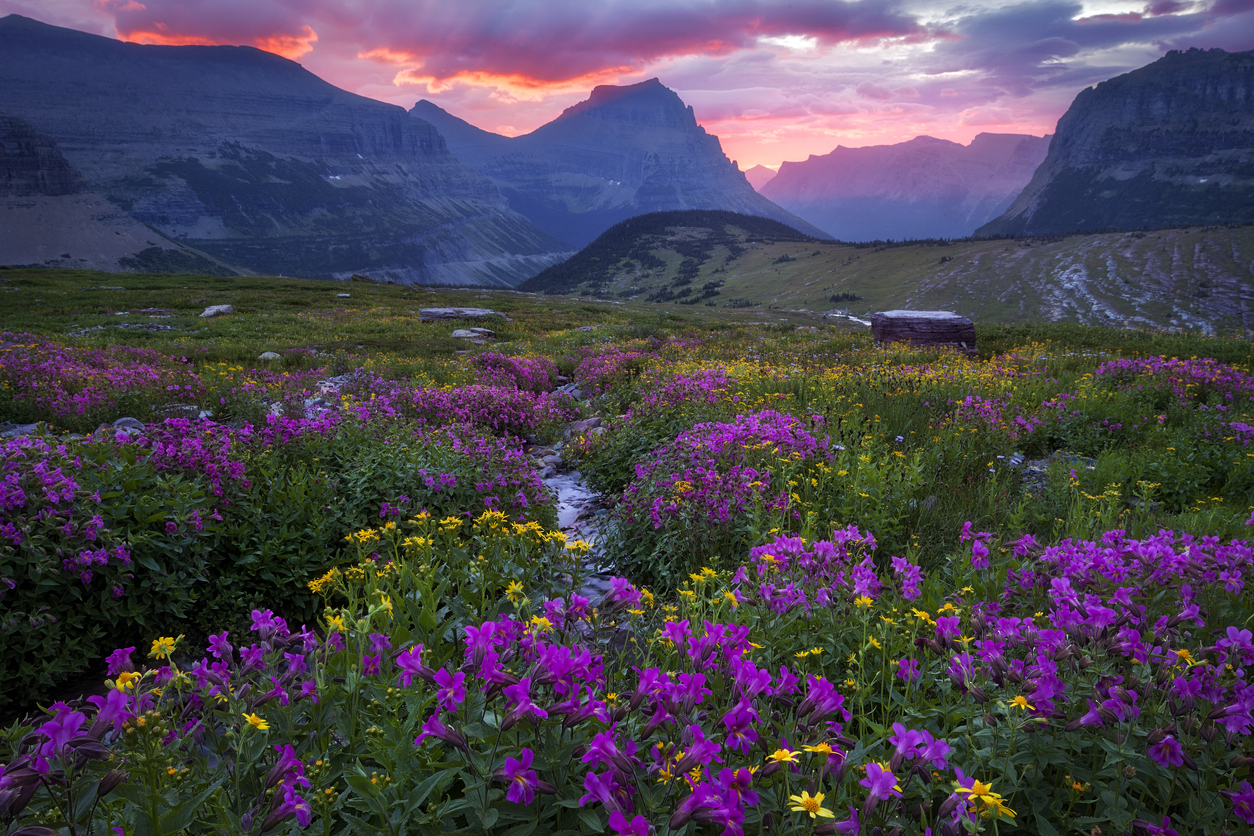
(580, 515)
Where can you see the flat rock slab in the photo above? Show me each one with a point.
(473, 333)
(430, 314)
(215, 310)
(924, 328)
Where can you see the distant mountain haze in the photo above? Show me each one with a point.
(1170, 144)
(759, 176)
(625, 151)
(923, 188)
(258, 163)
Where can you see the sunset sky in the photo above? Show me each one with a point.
(774, 80)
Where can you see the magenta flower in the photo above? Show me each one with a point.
(907, 670)
(1242, 802)
(880, 782)
(1167, 752)
(948, 627)
(904, 742)
(1238, 641)
(120, 660)
(520, 696)
(522, 780)
(598, 788)
(1151, 829)
(432, 727)
(979, 554)
(452, 689)
(638, 826)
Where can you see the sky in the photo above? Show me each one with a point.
(773, 80)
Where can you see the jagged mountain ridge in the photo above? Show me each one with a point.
(922, 188)
(261, 164)
(625, 151)
(1169, 144)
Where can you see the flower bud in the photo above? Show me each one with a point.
(110, 782)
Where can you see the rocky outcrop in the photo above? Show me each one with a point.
(258, 163)
(924, 188)
(1168, 145)
(924, 328)
(623, 152)
(31, 164)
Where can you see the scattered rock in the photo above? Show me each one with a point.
(585, 425)
(107, 287)
(595, 431)
(473, 334)
(128, 424)
(924, 328)
(214, 310)
(431, 314)
(268, 355)
(342, 296)
(16, 430)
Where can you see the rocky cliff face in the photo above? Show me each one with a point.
(924, 188)
(625, 151)
(1170, 144)
(31, 164)
(248, 157)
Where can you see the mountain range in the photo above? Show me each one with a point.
(123, 156)
(1169, 144)
(624, 151)
(923, 188)
(241, 158)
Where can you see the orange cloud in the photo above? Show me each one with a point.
(289, 46)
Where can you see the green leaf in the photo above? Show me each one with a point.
(182, 816)
(592, 819)
(524, 829)
(419, 794)
(490, 816)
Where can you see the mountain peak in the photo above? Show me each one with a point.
(651, 95)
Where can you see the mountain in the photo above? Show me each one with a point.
(625, 151)
(1198, 278)
(759, 176)
(665, 250)
(50, 218)
(923, 188)
(1168, 145)
(256, 163)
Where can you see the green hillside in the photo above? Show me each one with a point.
(1194, 278)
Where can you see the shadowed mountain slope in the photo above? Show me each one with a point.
(1167, 145)
(252, 159)
(625, 151)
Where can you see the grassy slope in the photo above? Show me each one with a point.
(1197, 278)
(275, 314)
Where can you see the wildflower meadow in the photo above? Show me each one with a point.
(844, 588)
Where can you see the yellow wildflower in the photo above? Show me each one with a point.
(812, 804)
(256, 722)
(163, 647)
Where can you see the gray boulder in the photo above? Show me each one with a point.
(215, 310)
(924, 328)
(432, 314)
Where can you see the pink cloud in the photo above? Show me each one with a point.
(510, 66)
